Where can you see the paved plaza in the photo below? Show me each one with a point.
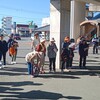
(79, 84)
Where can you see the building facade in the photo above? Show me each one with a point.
(6, 25)
(22, 29)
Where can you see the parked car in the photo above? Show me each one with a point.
(17, 36)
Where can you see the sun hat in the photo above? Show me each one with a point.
(52, 39)
(36, 33)
(42, 40)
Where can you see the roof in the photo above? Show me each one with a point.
(43, 28)
(22, 25)
(96, 17)
(96, 22)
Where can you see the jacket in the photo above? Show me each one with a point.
(51, 50)
(3, 46)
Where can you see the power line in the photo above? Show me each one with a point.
(20, 17)
(23, 10)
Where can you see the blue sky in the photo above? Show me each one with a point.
(23, 11)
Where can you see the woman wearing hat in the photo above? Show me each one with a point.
(52, 52)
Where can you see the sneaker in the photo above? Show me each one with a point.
(0, 67)
(0, 63)
(3, 66)
(12, 62)
(67, 70)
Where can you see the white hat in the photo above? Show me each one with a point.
(52, 39)
(36, 33)
(42, 40)
(71, 45)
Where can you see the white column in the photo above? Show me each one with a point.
(77, 16)
(55, 25)
(98, 31)
(59, 23)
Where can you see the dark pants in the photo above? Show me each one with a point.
(4, 57)
(52, 61)
(95, 49)
(70, 61)
(82, 61)
(65, 62)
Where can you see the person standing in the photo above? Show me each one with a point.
(83, 52)
(65, 54)
(16, 45)
(10, 41)
(95, 45)
(51, 53)
(41, 48)
(71, 53)
(13, 51)
(3, 50)
(35, 41)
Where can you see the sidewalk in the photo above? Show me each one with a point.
(79, 84)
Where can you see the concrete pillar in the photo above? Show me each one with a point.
(59, 23)
(77, 16)
(98, 31)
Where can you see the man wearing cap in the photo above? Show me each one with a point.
(35, 41)
(3, 50)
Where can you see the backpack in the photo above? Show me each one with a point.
(38, 48)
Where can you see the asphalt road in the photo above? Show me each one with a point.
(79, 84)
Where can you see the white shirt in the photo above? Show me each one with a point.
(35, 42)
(29, 55)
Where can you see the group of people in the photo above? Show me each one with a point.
(40, 49)
(37, 56)
(9, 46)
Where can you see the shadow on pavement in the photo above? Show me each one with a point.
(74, 74)
(18, 84)
(38, 94)
(57, 75)
(13, 71)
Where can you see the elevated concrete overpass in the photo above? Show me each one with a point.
(65, 19)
